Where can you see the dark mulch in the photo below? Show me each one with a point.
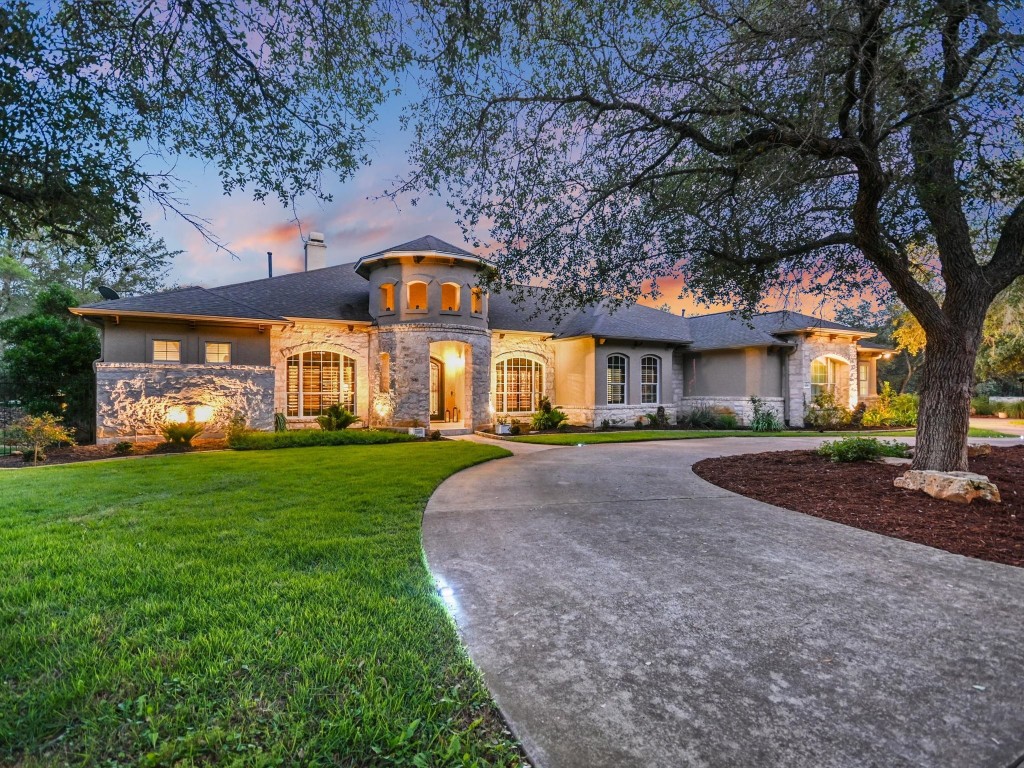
(862, 495)
(75, 453)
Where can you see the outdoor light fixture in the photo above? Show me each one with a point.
(177, 415)
(202, 413)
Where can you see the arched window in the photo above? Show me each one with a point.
(318, 380)
(650, 379)
(417, 296)
(451, 297)
(476, 304)
(387, 297)
(519, 384)
(616, 379)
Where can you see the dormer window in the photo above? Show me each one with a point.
(451, 297)
(387, 297)
(417, 297)
(476, 303)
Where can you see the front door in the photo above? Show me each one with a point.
(436, 390)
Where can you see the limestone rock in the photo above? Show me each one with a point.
(961, 487)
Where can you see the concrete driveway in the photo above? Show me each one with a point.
(626, 613)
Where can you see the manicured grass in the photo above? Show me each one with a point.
(256, 609)
(303, 438)
(629, 436)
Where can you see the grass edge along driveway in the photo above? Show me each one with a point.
(631, 436)
(259, 608)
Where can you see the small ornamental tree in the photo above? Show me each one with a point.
(40, 432)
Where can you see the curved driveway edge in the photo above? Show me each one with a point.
(625, 612)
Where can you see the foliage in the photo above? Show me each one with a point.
(303, 438)
(983, 406)
(435, 435)
(891, 410)
(764, 419)
(180, 433)
(237, 425)
(862, 449)
(124, 447)
(700, 416)
(280, 422)
(605, 150)
(47, 358)
(547, 417)
(516, 427)
(336, 417)
(40, 432)
(101, 99)
(826, 412)
(502, 418)
(658, 419)
(257, 582)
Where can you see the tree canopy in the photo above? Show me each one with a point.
(742, 146)
(98, 99)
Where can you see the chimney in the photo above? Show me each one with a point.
(316, 251)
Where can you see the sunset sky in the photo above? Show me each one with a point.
(355, 223)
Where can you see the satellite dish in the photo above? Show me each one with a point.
(108, 293)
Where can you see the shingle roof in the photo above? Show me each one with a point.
(193, 300)
(331, 293)
(875, 345)
(728, 330)
(426, 243)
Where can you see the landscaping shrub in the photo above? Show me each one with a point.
(982, 406)
(1015, 410)
(181, 433)
(826, 413)
(123, 448)
(435, 435)
(857, 417)
(605, 425)
(639, 423)
(301, 438)
(280, 422)
(38, 433)
(764, 419)
(862, 449)
(726, 421)
(701, 416)
(658, 419)
(891, 410)
(515, 428)
(335, 418)
(548, 417)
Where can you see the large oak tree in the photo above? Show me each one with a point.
(741, 146)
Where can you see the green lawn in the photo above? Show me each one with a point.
(629, 436)
(243, 609)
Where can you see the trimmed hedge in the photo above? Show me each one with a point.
(304, 438)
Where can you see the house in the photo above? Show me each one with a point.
(405, 336)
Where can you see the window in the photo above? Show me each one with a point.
(476, 303)
(519, 384)
(819, 377)
(318, 380)
(451, 297)
(387, 297)
(417, 296)
(218, 352)
(863, 374)
(166, 351)
(616, 379)
(650, 379)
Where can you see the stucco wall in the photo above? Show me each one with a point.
(574, 372)
(434, 275)
(733, 373)
(133, 399)
(633, 352)
(345, 339)
(131, 341)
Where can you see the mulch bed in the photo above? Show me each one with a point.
(861, 494)
(76, 453)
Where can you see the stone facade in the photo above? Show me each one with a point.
(808, 349)
(134, 399)
(741, 406)
(408, 349)
(351, 340)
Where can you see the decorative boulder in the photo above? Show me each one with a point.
(961, 487)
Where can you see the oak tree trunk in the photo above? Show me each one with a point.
(945, 409)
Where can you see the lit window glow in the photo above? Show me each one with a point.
(218, 352)
(166, 351)
(451, 297)
(417, 296)
(318, 380)
(616, 379)
(518, 385)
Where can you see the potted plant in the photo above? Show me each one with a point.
(502, 427)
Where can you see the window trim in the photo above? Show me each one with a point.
(206, 353)
(152, 350)
(345, 362)
(656, 383)
(624, 383)
(501, 394)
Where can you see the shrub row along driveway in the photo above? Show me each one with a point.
(625, 612)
